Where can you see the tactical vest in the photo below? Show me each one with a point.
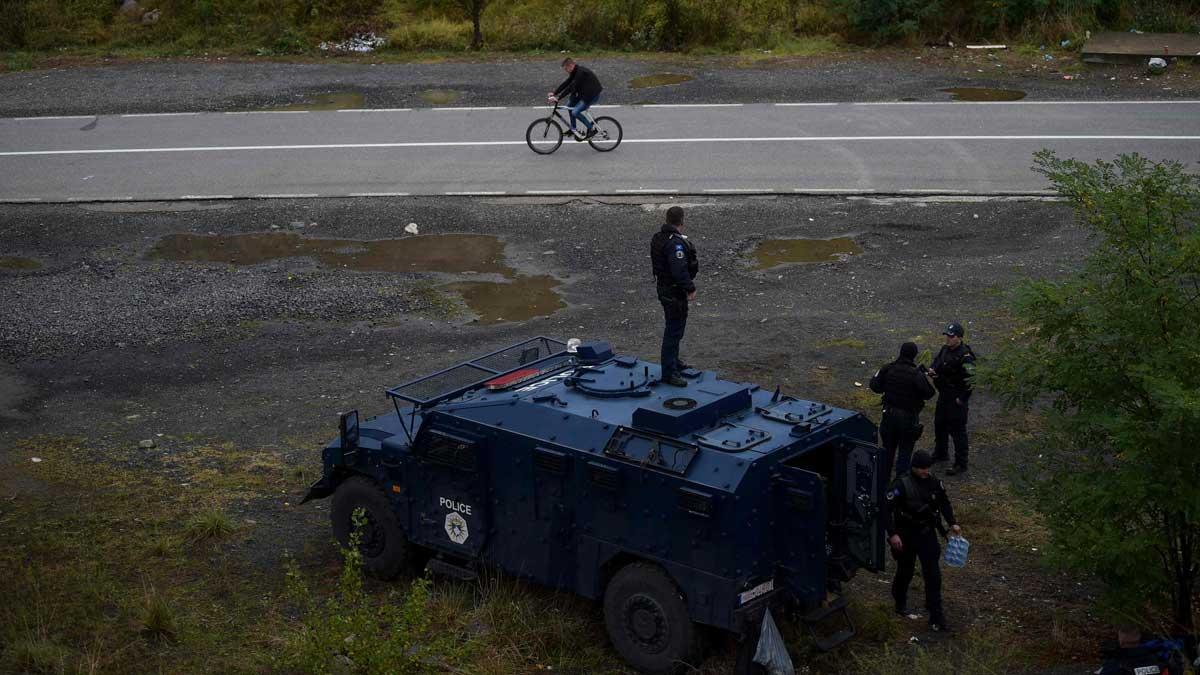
(917, 510)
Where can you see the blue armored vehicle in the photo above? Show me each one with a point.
(573, 467)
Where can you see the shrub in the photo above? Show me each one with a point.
(431, 35)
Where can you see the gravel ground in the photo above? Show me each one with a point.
(114, 347)
(221, 84)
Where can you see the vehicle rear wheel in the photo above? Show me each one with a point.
(385, 549)
(608, 134)
(544, 136)
(647, 620)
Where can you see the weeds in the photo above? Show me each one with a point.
(208, 525)
(158, 621)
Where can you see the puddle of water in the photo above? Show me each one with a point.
(19, 264)
(439, 96)
(775, 252)
(658, 80)
(524, 298)
(448, 253)
(984, 94)
(337, 100)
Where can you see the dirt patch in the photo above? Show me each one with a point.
(447, 253)
(329, 101)
(659, 80)
(19, 264)
(984, 94)
(521, 299)
(775, 252)
(439, 96)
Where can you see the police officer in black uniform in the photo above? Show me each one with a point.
(917, 504)
(951, 370)
(674, 262)
(905, 388)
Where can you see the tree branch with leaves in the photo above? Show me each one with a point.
(1111, 356)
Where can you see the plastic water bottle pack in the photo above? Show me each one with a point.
(956, 551)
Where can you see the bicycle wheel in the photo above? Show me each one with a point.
(608, 134)
(544, 136)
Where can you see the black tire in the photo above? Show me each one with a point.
(544, 136)
(385, 549)
(608, 134)
(647, 620)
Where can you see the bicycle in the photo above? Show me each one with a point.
(545, 134)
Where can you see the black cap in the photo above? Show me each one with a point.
(921, 459)
(955, 329)
(908, 350)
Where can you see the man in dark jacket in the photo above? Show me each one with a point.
(673, 260)
(917, 503)
(584, 89)
(905, 388)
(952, 370)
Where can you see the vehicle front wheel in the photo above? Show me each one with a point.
(647, 620)
(385, 549)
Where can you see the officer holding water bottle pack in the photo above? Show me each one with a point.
(917, 503)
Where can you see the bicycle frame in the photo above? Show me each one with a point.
(558, 106)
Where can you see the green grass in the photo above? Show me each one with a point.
(97, 580)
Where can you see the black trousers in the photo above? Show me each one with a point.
(922, 545)
(675, 311)
(950, 421)
(898, 434)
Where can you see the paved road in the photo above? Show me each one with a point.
(888, 148)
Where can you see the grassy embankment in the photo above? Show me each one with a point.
(193, 557)
(36, 31)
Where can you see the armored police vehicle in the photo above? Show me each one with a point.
(573, 467)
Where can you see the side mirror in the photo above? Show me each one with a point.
(348, 427)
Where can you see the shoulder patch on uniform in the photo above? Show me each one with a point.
(678, 254)
(893, 493)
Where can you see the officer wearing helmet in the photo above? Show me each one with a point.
(917, 503)
(951, 371)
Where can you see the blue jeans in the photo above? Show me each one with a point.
(577, 105)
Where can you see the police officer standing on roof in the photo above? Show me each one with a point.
(951, 370)
(673, 259)
(905, 388)
(917, 504)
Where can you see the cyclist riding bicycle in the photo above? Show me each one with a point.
(584, 89)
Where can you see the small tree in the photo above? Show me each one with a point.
(1115, 352)
(475, 9)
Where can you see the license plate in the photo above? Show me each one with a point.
(756, 592)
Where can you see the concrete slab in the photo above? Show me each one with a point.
(1116, 47)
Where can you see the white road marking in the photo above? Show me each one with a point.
(486, 107)
(379, 194)
(833, 189)
(739, 190)
(450, 144)
(268, 112)
(934, 191)
(556, 192)
(1165, 102)
(206, 196)
(692, 105)
(373, 110)
(20, 200)
(178, 114)
(645, 191)
(53, 117)
(476, 193)
(286, 196)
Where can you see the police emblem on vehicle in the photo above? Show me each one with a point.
(456, 528)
